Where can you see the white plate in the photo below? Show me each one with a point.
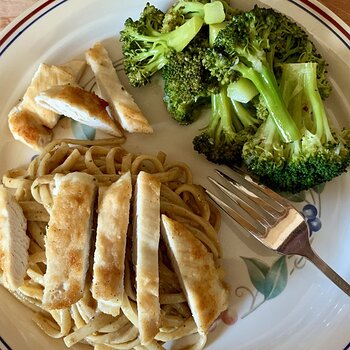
(309, 313)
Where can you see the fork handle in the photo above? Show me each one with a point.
(327, 270)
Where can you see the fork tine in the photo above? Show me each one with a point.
(269, 212)
(262, 194)
(234, 214)
(250, 208)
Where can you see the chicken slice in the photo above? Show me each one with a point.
(205, 291)
(25, 127)
(14, 242)
(45, 77)
(74, 67)
(112, 227)
(83, 106)
(122, 105)
(145, 245)
(68, 239)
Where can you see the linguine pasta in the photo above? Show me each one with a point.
(181, 200)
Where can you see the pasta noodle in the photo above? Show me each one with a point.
(180, 200)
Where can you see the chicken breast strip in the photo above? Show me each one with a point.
(122, 105)
(145, 246)
(14, 242)
(68, 239)
(81, 105)
(205, 291)
(109, 257)
(25, 127)
(45, 77)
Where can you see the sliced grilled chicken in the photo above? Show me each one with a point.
(25, 127)
(45, 77)
(74, 67)
(68, 239)
(80, 105)
(145, 245)
(14, 242)
(123, 107)
(205, 291)
(109, 258)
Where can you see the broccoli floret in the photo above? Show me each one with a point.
(229, 10)
(146, 50)
(320, 154)
(253, 45)
(230, 126)
(289, 43)
(263, 154)
(182, 10)
(187, 84)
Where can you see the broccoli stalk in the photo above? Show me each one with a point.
(308, 70)
(318, 156)
(146, 50)
(247, 47)
(323, 149)
(229, 127)
(242, 90)
(301, 93)
(218, 142)
(243, 114)
(265, 82)
(182, 10)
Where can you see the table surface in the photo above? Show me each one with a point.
(9, 9)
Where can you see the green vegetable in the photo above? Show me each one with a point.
(243, 48)
(242, 90)
(214, 12)
(182, 10)
(222, 141)
(146, 50)
(187, 84)
(320, 154)
(263, 78)
(229, 128)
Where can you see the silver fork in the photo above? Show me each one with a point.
(271, 219)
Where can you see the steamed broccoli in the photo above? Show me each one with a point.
(253, 45)
(263, 77)
(291, 44)
(229, 128)
(182, 10)
(230, 125)
(187, 84)
(146, 50)
(320, 154)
